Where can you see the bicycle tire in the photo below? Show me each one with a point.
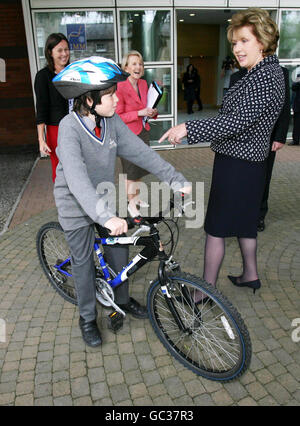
(216, 343)
(52, 247)
(53, 233)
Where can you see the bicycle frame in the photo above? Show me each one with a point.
(147, 254)
(151, 249)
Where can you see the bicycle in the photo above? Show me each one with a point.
(210, 337)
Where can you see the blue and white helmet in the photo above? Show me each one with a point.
(94, 73)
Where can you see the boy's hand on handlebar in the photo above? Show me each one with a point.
(116, 225)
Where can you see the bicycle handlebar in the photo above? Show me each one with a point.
(140, 220)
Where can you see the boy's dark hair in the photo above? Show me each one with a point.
(80, 104)
(52, 41)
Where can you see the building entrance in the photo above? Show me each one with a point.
(202, 42)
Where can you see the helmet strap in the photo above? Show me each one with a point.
(98, 117)
(93, 111)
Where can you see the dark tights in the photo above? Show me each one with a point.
(214, 254)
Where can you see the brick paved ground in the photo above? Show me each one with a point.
(44, 361)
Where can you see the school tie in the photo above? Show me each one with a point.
(98, 131)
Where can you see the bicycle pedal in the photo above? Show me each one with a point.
(115, 321)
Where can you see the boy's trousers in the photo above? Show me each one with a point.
(81, 244)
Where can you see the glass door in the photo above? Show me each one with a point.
(289, 51)
(150, 32)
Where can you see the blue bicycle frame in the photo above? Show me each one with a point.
(147, 254)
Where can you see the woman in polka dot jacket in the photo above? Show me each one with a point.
(239, 136)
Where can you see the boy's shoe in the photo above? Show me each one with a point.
(135, 309)
(90, 332)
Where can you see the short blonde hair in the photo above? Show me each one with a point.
(126, 57)
(263, 27)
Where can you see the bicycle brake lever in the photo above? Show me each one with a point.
(134, 221)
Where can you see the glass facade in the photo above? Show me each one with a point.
(163, 76)
(89, 32)
(149, 32)
(112, 32)
(289, 51)
(158, 128)
(294, 73)
(289, 44)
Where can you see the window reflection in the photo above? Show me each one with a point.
(90, 33)
(158, 128)
(289, 44)
(163, 77)
(147, 31)
(294, 74)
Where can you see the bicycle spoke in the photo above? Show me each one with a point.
(53, 249)
(204, 342)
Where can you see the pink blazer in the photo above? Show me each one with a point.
(129, 104)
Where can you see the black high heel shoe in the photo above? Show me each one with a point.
(255, 285)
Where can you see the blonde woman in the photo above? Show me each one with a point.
(132, 108)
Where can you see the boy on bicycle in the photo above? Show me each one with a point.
(89, 139)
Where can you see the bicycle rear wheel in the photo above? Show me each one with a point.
(214, 342)
(52, 251)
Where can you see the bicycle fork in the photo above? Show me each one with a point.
(163, 279)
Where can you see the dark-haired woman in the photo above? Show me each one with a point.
(51, 107)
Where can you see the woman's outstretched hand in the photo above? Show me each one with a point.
(175, 134)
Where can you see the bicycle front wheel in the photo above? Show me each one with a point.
(53, 251)
(212, 340)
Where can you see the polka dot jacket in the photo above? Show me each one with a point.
(250, 108)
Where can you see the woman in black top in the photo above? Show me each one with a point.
(191, 84)
(50, 105)
(240, 135)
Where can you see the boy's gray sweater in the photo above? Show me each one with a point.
(85, 161)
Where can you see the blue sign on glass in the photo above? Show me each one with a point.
(76, 36)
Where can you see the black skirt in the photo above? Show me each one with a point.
(132, 171)
(235, 197)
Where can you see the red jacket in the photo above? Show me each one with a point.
(129, 104)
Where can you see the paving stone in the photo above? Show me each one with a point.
(138, 390)
(80, 387)
(24, 400)
(119, 393)
(7, 398)
(115, 378)
(174, 386)
(61, 388)
(99, 390)
(43, 402)
(129, 362)
(63, 401)
(278, 392)
(194, 388)
(96, 374)
(45, 361)
(247, 402)
(222, 398)
(204, 400)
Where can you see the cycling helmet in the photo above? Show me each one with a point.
(85, 75)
